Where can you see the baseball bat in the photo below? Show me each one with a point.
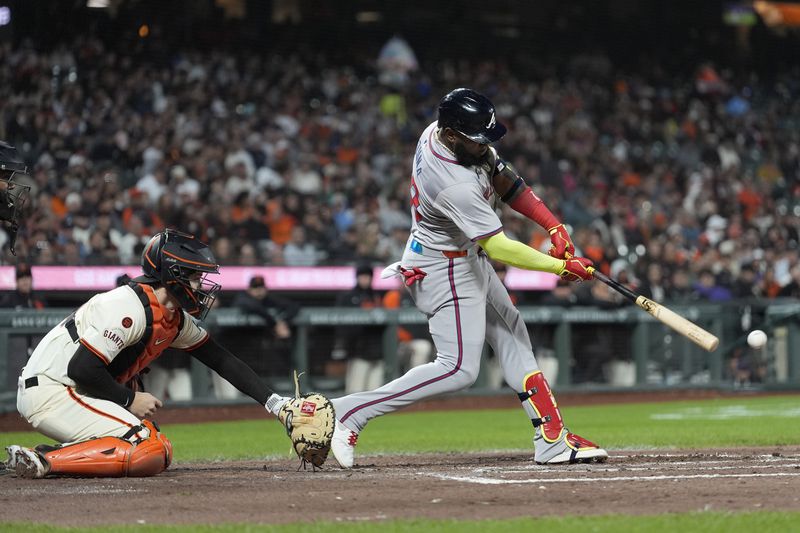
(666, 316)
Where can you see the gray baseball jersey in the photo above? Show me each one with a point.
(451, 205)
(464, 300)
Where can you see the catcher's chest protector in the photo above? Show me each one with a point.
(158, 335)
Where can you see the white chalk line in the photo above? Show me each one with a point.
(635, 469)
(719, 455)
(676, 465)
(495, 481)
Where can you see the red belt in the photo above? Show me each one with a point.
(454, 255)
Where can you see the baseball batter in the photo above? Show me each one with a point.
(79, 386)
(455, 179)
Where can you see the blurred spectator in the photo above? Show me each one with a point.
(746, 284)
(277, 312)
(23, 297)
(414, 344)
(360, 346)
(594, 345)
(792, 289)
(692, 168)
(298, 251)
(709, 289)
(170, 376)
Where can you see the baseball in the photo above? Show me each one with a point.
(757, 338)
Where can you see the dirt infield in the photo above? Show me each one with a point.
(453, 486)
(456, 486)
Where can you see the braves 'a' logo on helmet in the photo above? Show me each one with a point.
(471, 114)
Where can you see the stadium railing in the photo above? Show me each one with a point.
(579, 348)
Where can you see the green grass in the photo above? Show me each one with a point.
(707, 522)
(730, 422)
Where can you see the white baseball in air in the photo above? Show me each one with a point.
(757, 338)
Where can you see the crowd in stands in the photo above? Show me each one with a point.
(686, 185)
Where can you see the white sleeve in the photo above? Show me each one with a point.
(191, 335)
(466, 206)
(108, 324)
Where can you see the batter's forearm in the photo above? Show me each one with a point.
(514, 253)
(513, 190)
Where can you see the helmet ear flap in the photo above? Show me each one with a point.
(151, 256)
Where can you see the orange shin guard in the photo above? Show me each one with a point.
(112, 457)
(538, 393)
(156, 433)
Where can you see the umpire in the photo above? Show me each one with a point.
(12, 194)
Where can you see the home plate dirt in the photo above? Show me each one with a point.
(453, 486)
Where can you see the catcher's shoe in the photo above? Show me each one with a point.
(343, 445)
(26, 463)
(575, 449)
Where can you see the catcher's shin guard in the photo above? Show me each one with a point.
(538, 392)
(113, 456)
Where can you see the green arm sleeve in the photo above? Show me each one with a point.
(514, 253)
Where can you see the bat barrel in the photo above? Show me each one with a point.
(666, 316)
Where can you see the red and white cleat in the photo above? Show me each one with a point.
(343, 445)
(577, 450)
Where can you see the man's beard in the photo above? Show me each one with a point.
(466, 159)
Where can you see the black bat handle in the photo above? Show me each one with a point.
(614, 284)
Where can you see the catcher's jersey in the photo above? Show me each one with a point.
(451, 205)
(108, 323)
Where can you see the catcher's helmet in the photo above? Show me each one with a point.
(12, 194)
(180, 263)
(471, 114)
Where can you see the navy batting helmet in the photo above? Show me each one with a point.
(471, 114)
(181, 263)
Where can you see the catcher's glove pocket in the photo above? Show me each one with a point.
(309, 420)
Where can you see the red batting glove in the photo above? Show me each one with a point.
(412, 275)
(562, 243)
(576, 269)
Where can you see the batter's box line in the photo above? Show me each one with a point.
(767, 461)
(630, 455)
(637, 468)
(494, 481)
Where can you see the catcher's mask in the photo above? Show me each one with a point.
(181, 263)
(12, 194)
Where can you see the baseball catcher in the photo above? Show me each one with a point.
(77, 387)
(12, 194)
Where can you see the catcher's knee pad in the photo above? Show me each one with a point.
(112, 457)
(538, 393)
(155, 433)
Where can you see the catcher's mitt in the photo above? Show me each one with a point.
(309, 420)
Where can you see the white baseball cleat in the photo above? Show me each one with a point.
(26, 463)
(577, 450)
(343, 445)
